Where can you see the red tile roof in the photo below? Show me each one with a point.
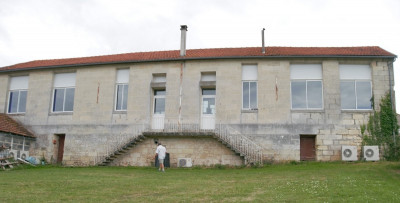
(372, 51)
(9, 125)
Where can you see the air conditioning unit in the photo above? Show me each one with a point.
(13, 154)
(184, 162)
(349, 153)
(24, 155)
(371, 153)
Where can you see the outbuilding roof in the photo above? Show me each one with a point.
(193, 54)
(9, 125)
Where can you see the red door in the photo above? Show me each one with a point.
(307, 148)
(61, 139)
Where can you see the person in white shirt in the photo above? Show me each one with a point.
(160, 152)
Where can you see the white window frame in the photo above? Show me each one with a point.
(22, 85)
(355, 92)
(346, 75)
(307, 108)
(249, 75)
(122, 96)
(306, 73)
(159, 97)
(121, 81)
(249, 108)
(56, 87)
(65, 92)
(19, 97)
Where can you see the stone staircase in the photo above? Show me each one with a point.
(121, 151)
(229, 137)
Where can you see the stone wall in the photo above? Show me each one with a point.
(204, 151)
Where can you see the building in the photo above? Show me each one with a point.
(15, 140)
(212, 106)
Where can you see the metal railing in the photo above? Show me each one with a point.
(251, 152)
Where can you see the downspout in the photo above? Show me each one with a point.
(180, 93)
(390, 67)
(182, 54)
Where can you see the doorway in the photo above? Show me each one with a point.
(158, 110)
(307, 147)
(208, 109)
(59, 147)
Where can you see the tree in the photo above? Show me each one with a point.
(383, 130)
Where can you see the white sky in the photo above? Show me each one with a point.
(47, 29)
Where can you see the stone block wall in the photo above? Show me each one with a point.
(204, 151)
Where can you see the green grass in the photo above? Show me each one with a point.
(303, 182)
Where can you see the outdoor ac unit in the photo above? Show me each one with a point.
(13, 154)
(184, 162)
(349, 153)
(371, 153)
(24, 155)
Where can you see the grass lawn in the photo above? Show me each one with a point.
(302, 182)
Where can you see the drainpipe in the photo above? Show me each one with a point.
(390, 67)
(182, 53)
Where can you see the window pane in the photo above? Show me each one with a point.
(58, 100)
(13, 103)
(253, 95)
(246, 95)
(22, 101)
(314, 94)
(159, 106)
(69, 99)
(298, 94)
(208, 91)
(125, 97)
(208, 105)
(363, 95)
(119, 97)
(347, 95)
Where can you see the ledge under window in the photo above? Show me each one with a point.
(357, 110)
(249, 110)
(119, 112)
(307, 110)
(16, 114)
(61, 113)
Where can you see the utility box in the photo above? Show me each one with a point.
(166, 161)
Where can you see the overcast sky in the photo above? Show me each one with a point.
(47, 29)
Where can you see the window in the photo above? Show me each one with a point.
(121, 97)
(64, 91)
(306, 86)
(17, 94)
(208, 101)
(159, 101)
(355, 87)
(249, 87)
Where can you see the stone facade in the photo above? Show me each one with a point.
(94, 125)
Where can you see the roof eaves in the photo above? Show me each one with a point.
(198, 58)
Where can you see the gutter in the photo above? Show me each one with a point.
(192, 59)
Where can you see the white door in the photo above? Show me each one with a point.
(208, 109)
(159, 110)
